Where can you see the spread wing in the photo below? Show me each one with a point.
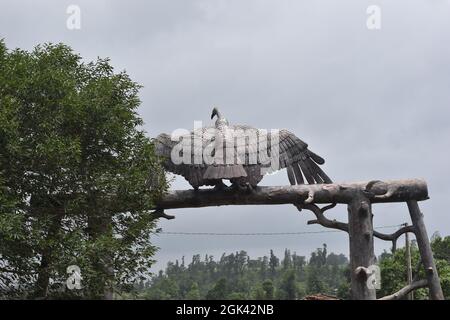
(285, 149)
(252, 156)
(193, 172)
(299, 161)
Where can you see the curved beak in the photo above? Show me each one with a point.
(214, 113)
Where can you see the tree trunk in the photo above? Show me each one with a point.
(362, 255)
(102, 262)
(43, 280)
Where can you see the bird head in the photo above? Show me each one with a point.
(215, 112)
(221, 121)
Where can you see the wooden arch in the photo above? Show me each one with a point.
(359, 198)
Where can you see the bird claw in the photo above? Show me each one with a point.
(242, 187)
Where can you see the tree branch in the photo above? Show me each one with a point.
(405, 290)
(393, 236)
(333, 224)
(321, 219)
(159, 213)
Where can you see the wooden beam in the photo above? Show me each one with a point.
(375, 191)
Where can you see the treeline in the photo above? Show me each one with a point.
(237, 276)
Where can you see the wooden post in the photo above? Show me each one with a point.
(409, 296)
(423, 243)
(362, 254)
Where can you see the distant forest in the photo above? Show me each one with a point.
(237, 276)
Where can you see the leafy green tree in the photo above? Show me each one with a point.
(443, 267)
(274, 262)
(298, 262)
(343, 291)
(287, 261)
(264, 290)
(336, 259)
(258, 293)
(441, 248)
(219, 292)
(264, 266)
(319, 257)
(77, 175)
(237, 296)
(194, 292)
(288, 286)
(393, 268)
(393, 272)
(268, 289)
(315, 281)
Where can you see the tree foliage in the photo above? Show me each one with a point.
(77, 175)
(237, 276)
(393, 268)
(293, 277)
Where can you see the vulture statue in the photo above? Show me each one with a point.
(238, 153)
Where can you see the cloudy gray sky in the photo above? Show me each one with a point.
(374, 103)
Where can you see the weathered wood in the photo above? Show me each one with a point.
(321, 219)
(393, 236)
(375, 191)
(426, 254)
(409, 296)
(362, 256)
(358, 196)
(406, 290)
(334, 224)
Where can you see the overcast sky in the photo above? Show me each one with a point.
(374, 103)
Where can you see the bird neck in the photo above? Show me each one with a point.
(221, 123)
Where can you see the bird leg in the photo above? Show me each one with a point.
(220, 186)
(237, 186)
